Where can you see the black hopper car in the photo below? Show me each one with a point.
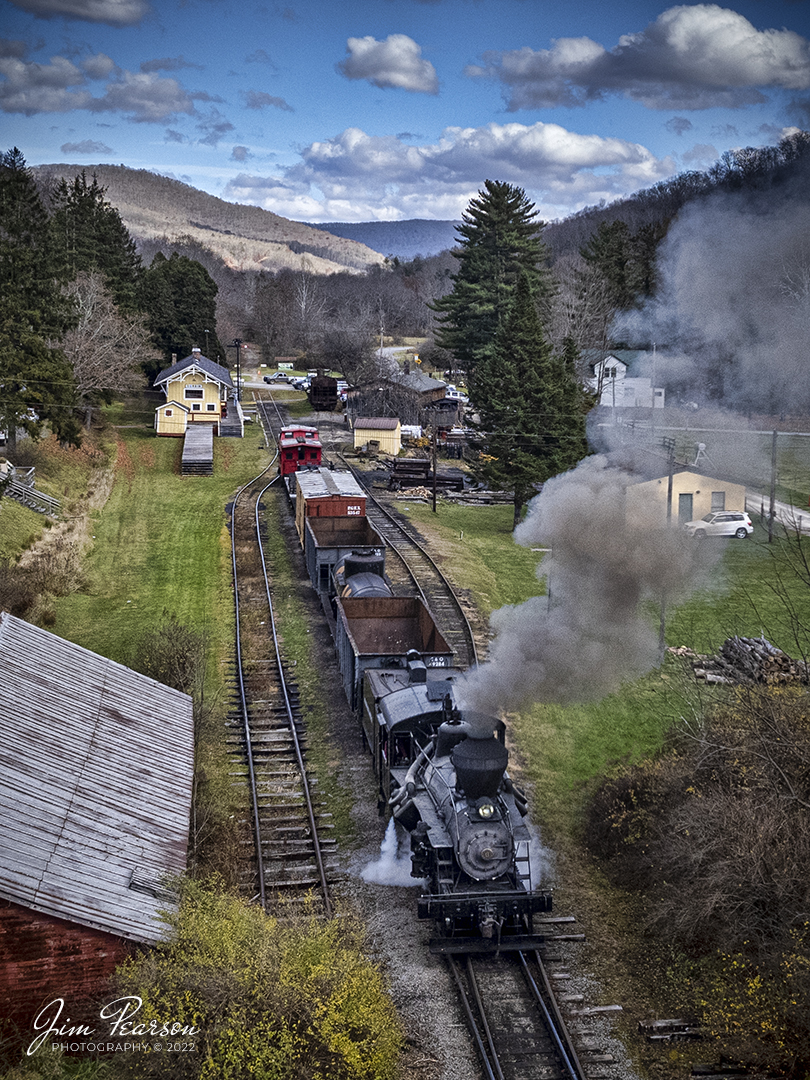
(323, 393)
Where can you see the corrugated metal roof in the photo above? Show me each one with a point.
(96, 765)
(416, 380)
(381, 423)
(323, 482)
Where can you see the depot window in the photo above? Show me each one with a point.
(193, 393)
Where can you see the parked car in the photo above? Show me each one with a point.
(278, 376)
(722, 523)
(300, 384)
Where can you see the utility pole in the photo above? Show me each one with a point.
(237, 344)
(662, 625)
(435, 453)
(772, 508)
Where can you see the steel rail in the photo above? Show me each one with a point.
(485, 1023)
(257, 832)
(299, 756)
(556, 1025)
(472, 1025)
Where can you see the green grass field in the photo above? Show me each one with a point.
(159, 544)
(160, 547)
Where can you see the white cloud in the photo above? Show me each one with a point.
(87, 146)
(31, 88)
(99, 66)
(692, 57)
(394, 63)
(356, 176)
(112, 12)
(169, 63)
(60, 86)
(214, 128)
(143, 98)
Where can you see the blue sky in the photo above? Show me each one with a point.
(323, 110)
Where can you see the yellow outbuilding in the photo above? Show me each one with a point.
(693, 496)
(382, 433)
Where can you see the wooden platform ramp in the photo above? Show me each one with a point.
(198, 450)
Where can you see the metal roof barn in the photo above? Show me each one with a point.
(96, 769)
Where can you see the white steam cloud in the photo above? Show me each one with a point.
(393, 867)
(733, 305)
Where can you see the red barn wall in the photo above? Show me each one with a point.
(42, 958)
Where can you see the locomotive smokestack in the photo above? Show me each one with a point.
(480, 765)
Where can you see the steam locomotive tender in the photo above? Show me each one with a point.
(443, 774)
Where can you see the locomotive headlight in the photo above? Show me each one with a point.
(486, 810)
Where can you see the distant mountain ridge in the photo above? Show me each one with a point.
(402, 239)
(154, 207)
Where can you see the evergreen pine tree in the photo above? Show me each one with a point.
(626, 260)
(532, 416)
(500, 239)
(179, 297)
(89, 235)
(36, 381)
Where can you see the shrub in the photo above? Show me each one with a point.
(715, 835)
(298, 1001)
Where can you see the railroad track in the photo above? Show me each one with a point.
(514, 1017)
(419, 575)
(286, 845)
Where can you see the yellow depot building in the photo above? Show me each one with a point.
(198, 391)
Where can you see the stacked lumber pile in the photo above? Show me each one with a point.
(746, 661)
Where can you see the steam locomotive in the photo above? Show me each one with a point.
(442, 773)
(441, 770)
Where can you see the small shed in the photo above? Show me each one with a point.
(95, 799)
(171, 418)
(326, 493)
(383, 433)
(693, 496)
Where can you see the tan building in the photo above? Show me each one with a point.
(197, 391)
(384, 431)
(693, 496)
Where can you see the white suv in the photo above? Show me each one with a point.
(722, 523)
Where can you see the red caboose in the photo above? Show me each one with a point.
(299, 447)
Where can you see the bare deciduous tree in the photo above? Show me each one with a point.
(581, 308)
(105, 348)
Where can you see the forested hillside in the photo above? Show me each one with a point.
(155, 207)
